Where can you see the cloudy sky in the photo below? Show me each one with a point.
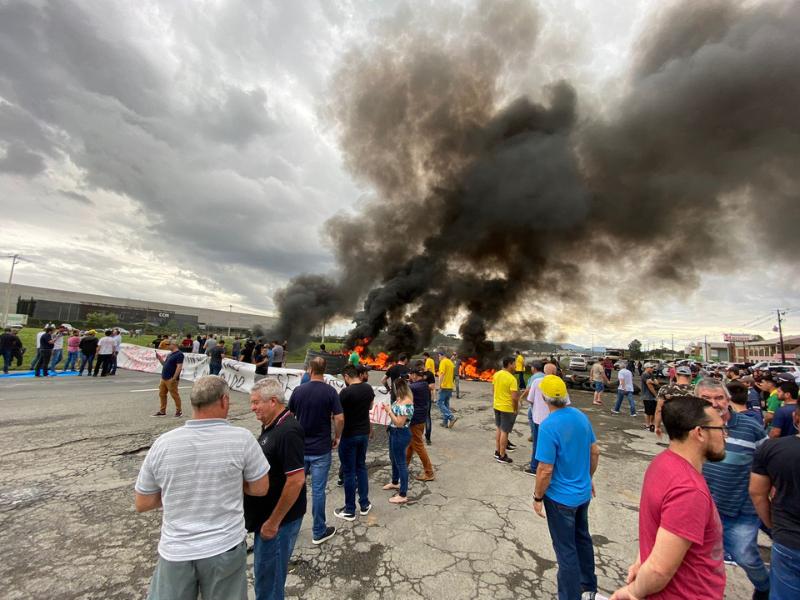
(177, 151)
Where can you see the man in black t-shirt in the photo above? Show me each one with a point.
(421, 391)
(776, 463)
(7, 344)
(46, 349)
(275, 518)
(395, 372)
(356, 400)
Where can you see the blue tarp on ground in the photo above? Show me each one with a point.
(24, 374)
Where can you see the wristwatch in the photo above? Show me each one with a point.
(535, 499)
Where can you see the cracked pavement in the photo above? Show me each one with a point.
(72, 447)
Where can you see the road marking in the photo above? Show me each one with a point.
(180, 387)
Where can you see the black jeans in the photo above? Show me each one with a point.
(569, 530)
(43, 361)
(104, 363)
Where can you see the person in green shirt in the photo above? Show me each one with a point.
(354, 358)
(769, 385)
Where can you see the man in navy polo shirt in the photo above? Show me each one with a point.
(170, 376)
(276, 518)
(314, 403)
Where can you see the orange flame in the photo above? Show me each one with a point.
(469, 369)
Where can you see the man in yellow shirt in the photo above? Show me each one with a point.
(506, 405)
(429, 364)
(519, 370)
(446, 376)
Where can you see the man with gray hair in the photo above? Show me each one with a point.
(197, 473)
(275, 519)
(729, 480)
(568, 454)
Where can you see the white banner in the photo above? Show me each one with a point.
(239, 376)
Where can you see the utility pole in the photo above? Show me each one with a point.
(230, 316)
(705, 348)
(14, 260)
(780, 335)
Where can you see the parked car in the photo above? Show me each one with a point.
(577, 363)
(768, 365)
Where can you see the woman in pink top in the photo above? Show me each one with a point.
(73, 348)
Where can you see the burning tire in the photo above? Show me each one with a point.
(334, 363)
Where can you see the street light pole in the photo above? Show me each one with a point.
(14, 260)
(780, 335)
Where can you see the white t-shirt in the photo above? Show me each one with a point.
(195, 346)
(106, 345)
(117, 341)
(39, 339)
(540, 408)
(199, 469)
(625, 380)
(58, 342)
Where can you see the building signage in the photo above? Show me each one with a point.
(733, 338)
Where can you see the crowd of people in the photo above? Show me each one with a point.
(730, 470)
(201, 546)
(78, 349)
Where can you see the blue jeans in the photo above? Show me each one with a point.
(569, 530)
(399, 438)
(739, 538)
(271, 560)
(56, 358)
(318, 467)
(353, 456)
(784, 573)
(86, 359)
(72, 361)
(443, 401)
(7, 357)
(214, 368)
(36, 358)
(534, 435)
(620, 395)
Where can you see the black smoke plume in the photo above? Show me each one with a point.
(480, 199)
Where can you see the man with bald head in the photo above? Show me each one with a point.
(314, 404)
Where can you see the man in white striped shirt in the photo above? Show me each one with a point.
(197, 474)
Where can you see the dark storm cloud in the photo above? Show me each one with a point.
(480, 200)
(174, 109)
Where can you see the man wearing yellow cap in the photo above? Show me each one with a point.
(567, 451)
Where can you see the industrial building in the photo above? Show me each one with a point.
(60, 306)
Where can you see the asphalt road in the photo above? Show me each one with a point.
(72, 447)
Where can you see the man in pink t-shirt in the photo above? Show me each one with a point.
(680, 533)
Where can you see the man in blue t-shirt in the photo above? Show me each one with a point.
(313, 404)
(567, 451)
(783, 422)
(171, 367)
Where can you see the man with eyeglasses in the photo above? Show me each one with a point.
(728, 481)
(777, 465)
(680, 534)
